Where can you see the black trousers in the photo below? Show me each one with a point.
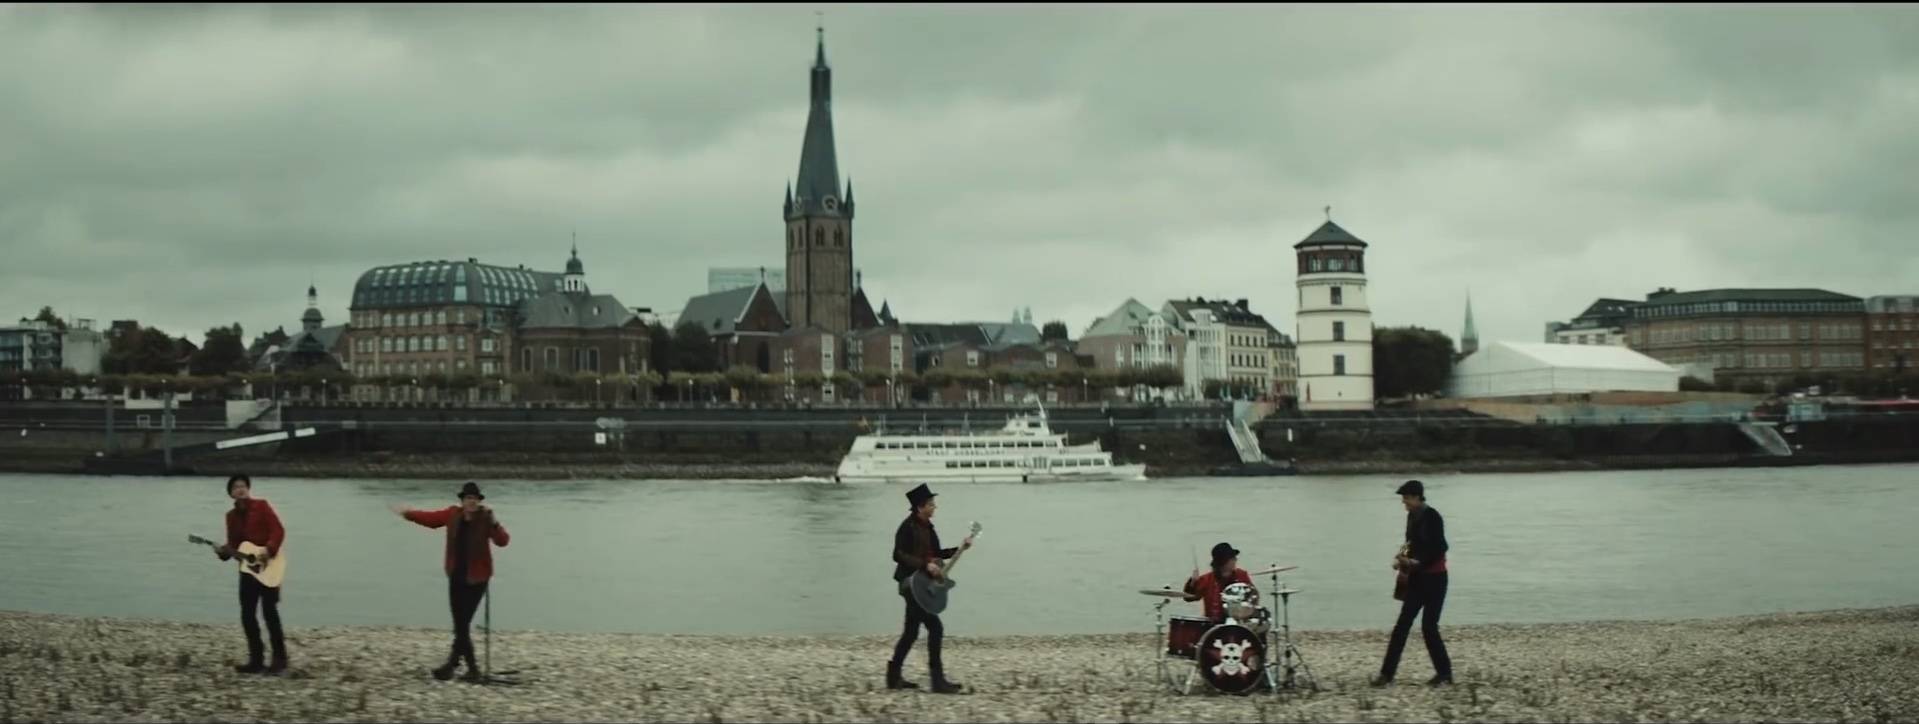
(1425, 592)
(253, 598)
(916, 617)
(464, 600)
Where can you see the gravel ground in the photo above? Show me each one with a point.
(1829, 666)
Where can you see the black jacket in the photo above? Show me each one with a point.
(1426, 532)
(911, 544)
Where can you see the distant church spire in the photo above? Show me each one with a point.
(1469, 340)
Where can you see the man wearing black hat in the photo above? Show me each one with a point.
(1425, 565)
(470, 526)
(1208, 586)
(252, 520)
(916, 547)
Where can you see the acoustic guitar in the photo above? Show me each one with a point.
(930, 592)
(253, 561)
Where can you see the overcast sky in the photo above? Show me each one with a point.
(193, 166)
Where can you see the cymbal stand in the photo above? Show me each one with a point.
(1297, 675)
(1160, 656)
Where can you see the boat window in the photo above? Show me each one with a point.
(951, 464)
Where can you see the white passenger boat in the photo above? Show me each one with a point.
(1026, 450)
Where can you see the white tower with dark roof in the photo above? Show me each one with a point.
(1334, 324)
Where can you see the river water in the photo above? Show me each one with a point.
(814, 558)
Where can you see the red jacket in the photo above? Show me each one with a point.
(479, 558)
(1208, 587)
(260, 526)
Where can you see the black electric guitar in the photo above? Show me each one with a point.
(930, 592)
(254, 561)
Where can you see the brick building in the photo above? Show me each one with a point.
(468, 318)
(1764, 335)
(1892, 333)
(743, 324)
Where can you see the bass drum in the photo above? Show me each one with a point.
(1232, 659)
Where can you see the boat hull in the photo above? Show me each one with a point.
(1108, 474)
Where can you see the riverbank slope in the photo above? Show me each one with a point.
(1828, 666)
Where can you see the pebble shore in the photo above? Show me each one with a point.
(1859, 665)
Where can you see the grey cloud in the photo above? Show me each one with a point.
(193, 166)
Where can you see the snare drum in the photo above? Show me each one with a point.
(1182, 635)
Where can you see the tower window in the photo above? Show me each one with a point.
(1339, 364)
(1313, 263)
(819, 237)
(839, 238)
(1339, 331)
(1339, 298)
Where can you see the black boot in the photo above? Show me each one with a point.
(943, 685)
(445, 672)
(252, 666)
(1440, 680)
(279, 663)
(472, 675)
(894, 680)
(1382, 681)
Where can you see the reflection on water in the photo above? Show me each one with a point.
(703, 557)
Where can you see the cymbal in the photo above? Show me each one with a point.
(1269, 571)
(1287, 591)
(1167, 592)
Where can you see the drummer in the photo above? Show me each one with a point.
(1208, 586)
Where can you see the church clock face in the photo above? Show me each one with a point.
(829, 203)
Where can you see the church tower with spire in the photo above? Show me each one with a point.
(1469, 339)
(819, 219)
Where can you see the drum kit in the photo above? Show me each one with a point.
(1237, 655)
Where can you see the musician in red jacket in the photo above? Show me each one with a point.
(253, 521)
(469, 526)
(1208, 586)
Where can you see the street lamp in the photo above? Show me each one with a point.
(1085, 391)
(596, 391)
(416, 389)
(323, 392)
(502, 396)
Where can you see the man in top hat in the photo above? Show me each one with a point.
(1425, 565)
(251, 520)
(469, 526)
(1208, 586)
(916, 547)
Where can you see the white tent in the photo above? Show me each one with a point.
(1508, 369)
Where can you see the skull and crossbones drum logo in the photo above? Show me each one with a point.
(1231, 658)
